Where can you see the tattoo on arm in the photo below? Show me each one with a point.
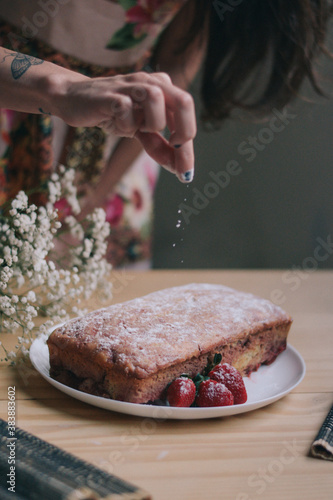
(21, 63)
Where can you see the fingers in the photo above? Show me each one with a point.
(147, 104)
(163, 104)
(178, 161)
(122, 119)
(126, 104)
(184, 162)
(158, 148)
(181, 111)
(150, 102)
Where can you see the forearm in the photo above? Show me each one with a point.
(138, 104)
(31, 85)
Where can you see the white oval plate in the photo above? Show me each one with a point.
(265, 386)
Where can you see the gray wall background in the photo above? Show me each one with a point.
(274, 213)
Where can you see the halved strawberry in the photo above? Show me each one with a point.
(181, 392)
(213, 393)
(232, 379)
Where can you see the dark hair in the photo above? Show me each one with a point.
(275, 39)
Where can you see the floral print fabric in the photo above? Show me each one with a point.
(143, 17)
(26, 156)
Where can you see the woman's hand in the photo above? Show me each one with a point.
(139, 105)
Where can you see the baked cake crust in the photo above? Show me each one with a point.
(131, 351)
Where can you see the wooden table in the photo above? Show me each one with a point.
(260, 454)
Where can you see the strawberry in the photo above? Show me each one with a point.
(232, 379)
(213, 393)
(181, 392)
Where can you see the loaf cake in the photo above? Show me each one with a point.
(132, 351)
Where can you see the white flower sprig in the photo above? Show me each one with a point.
(31, 283)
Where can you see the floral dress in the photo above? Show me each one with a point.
(27, 157)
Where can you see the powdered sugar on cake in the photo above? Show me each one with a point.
(153, 332)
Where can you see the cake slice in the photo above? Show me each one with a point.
(132, 351)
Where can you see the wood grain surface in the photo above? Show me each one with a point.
(257, 455)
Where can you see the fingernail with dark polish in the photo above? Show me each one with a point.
(177, 146)
(187, 176)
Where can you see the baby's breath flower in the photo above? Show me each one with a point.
(31, 296)
(31, 283)
(54, 177)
